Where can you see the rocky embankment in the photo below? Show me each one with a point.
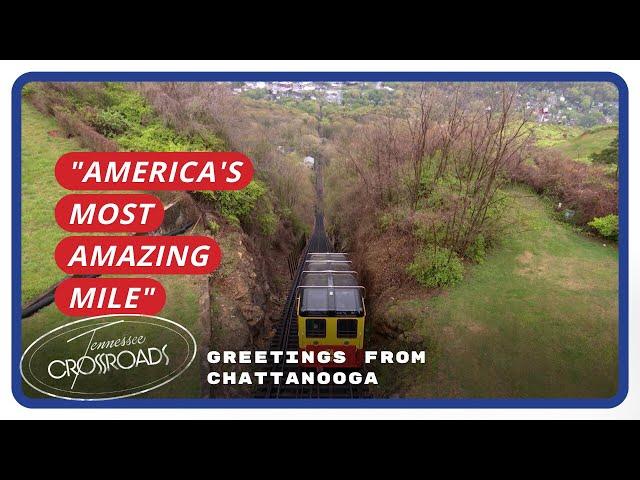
(241, 302)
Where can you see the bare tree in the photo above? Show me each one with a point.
(450, 154)
(422, 144)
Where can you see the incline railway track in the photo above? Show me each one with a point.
(286, 339)
(286, 336)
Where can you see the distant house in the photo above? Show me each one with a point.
(543, 114)
(333, 96)
(252, 85)
(309, 162)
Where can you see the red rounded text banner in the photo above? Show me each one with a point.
(102, 296)
(124, 212)
(154, 171)
(138, 255)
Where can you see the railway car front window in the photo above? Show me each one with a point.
(348, 302)
(347, 328)
(315, 301)
(316, 328)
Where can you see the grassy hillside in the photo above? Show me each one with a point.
(537, 319)
(592, 141)
(551, 135)
(41, 148)
(575, 142)
(42, 145)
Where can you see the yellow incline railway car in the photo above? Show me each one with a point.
(330, 308)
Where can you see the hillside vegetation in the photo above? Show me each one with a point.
(481, 237)
(42, 144)
(490, 259)
(575, 142)
(537, 319)
(257, 227)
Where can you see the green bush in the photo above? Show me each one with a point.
(209, 142)
(128, 103)
(110, 123)
(606, 226)
(429, 230)
(237, 205)
(298, 226)
(155, 137)
(477, 250)
(609, 155)
(268, 222)
(82, 94)
(385, 221)
(214, 227)
(436, 267)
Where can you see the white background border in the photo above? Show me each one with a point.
(10, 70)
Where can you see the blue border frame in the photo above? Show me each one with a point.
(623, 325)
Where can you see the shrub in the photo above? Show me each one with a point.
(429, 226)
(580, 187)
(237, 205)
(208, 110)
(298, 226)
(128, 104)
(609, 155)
(477, 250)
(110, 123)
(385, 220)
(87, 136)
(155, 137)
(606, 226)
(214, 227)
(436, 267)
(93, 93)
(268, 222)
(45, 97)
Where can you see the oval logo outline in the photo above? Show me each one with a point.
(171, 375)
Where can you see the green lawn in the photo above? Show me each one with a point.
(40, 235)
(581, 147)
(575, 142)
(538, 319)
(182, 307)
(551, 135)
(40, 192)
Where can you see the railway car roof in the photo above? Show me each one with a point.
(327, 290)
(327, 256)
(329, 279)
(320, 265)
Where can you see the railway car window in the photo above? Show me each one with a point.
(347, 328)
(348, 302)
(316, 328)
(315, 301)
